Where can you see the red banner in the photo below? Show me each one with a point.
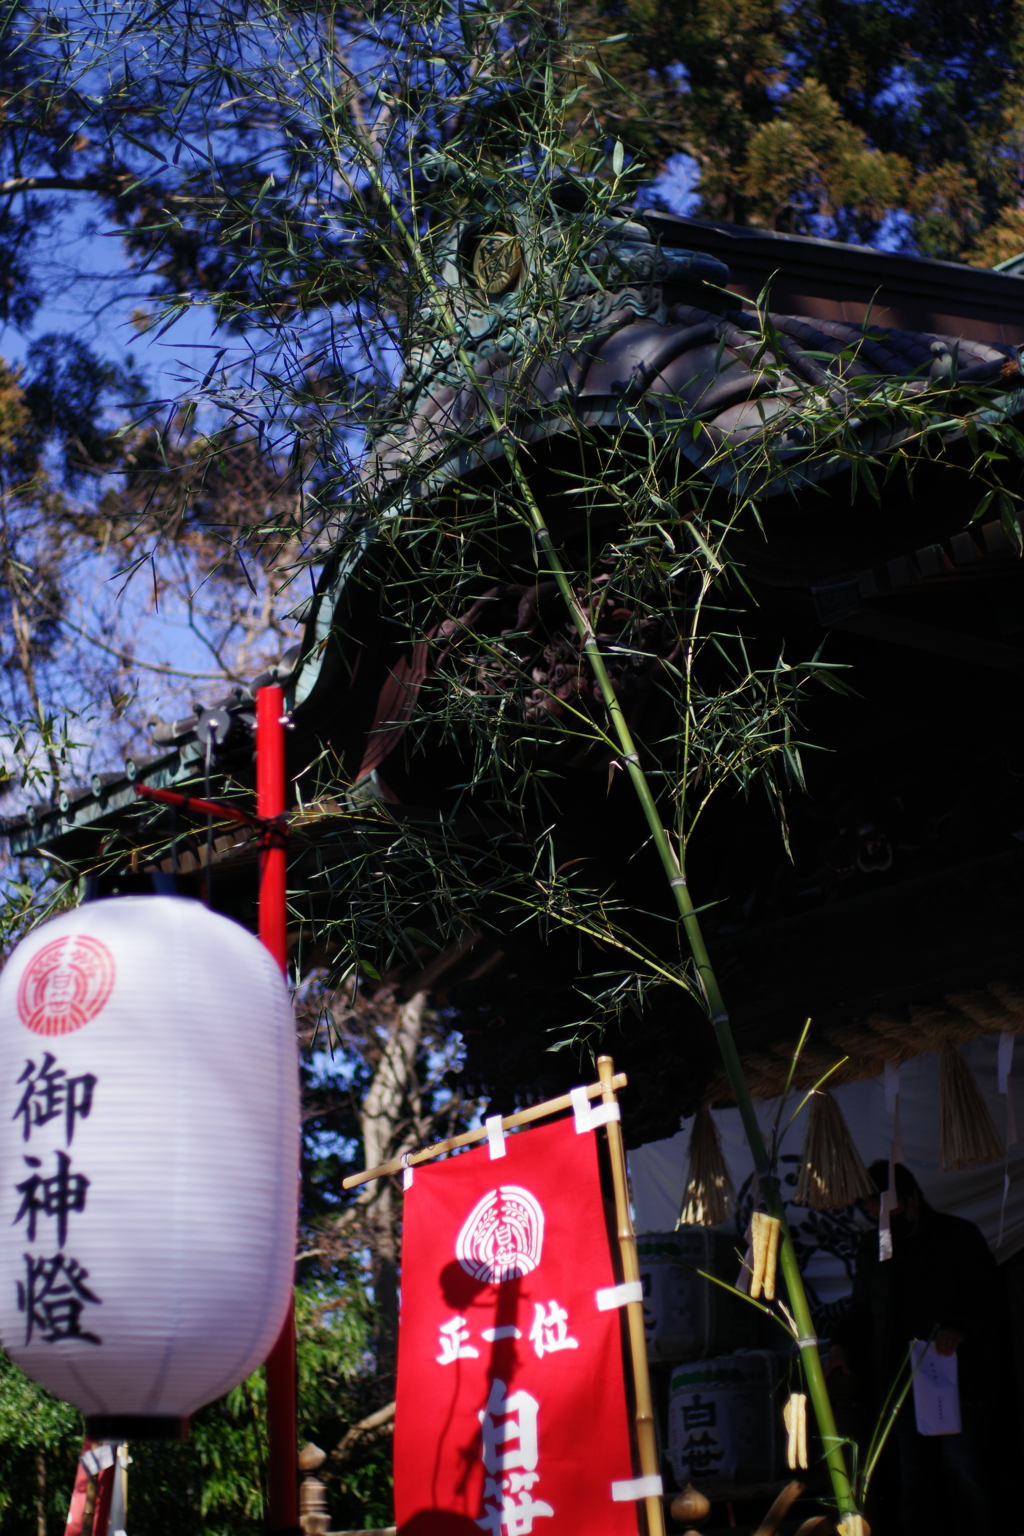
(512, 1415)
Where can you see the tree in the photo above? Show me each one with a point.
(215, 1484)
(380, 1093)
(881, 121)
(416, 182)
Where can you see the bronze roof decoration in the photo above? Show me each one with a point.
(842, 451)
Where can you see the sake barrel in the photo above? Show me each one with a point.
(687, 1316)
(722, 1420)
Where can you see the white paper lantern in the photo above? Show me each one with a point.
(149, 1147)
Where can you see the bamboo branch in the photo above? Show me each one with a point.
(671, 864)
(95, 182)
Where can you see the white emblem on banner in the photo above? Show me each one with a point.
(503, 1236)
(454, 1342)
(550, 1331)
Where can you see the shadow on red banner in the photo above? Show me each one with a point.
(437, 1522)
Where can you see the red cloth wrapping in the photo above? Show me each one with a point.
(496, 1432)
(101, 1508)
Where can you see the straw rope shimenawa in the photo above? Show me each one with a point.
(967, 1136)
(708, 1185)
(831, 1171)
(869, 1043)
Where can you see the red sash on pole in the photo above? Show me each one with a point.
(76, 1513)
(103, 1489)
(512, 1415)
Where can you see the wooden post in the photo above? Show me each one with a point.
(645, 1431)
(282, 1402)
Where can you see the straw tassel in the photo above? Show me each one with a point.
(763, 1237)
(794, 1417)
(831, 1171)
(708, 1186)
(967, 1134)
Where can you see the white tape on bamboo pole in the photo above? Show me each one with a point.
(589, 1117)
(635, 1488)
(149, 1136)
(495, 1136)
(612, 1296)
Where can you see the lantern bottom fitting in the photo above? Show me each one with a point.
(135, 1426)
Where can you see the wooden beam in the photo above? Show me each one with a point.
(893, 629)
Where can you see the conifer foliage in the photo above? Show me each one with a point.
(891, 120)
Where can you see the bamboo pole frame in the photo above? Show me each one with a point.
(610, 1082)
(467, 1138)
(647, 1441)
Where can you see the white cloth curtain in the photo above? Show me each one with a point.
(658, 1170)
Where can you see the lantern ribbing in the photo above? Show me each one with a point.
(149, 1129)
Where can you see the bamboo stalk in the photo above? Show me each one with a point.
(816, 1387)
(645, 1433)
(467, 1138)
(674, 871)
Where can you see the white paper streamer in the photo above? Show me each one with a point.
(891, 1085)
(495, 1136)
(1002, 1208)
(1004, 1059)
(1004, 1067)
(1003, 1070)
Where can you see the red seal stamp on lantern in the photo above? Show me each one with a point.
(65, 985)
(502, 1237)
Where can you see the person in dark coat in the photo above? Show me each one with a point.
(941, 1282)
